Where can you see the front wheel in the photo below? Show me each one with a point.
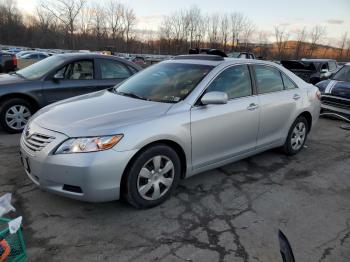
(152, 176)
(14, 114)
(297, 136)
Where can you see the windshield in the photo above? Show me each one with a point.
(164, 82)
(41, 68)
(343, 74)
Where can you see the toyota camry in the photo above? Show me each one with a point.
(168, 122)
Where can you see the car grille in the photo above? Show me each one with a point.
(36, 142)
(336, 101)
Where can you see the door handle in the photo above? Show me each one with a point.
(296, 97)
(252, 107)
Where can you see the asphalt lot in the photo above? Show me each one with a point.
(228, 214)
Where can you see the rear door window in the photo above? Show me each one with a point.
(268, 79)
(288, 84)
(111, 69)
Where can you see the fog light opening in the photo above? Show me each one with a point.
(74, 189)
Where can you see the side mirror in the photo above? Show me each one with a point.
(323, 71)
(214, 98)
(58, 76)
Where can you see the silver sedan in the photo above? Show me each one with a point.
(171, 121)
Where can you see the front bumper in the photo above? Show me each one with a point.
(93, 177)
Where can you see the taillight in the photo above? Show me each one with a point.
(14, 60)
(318, 94)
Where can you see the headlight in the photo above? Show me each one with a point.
(88, 144)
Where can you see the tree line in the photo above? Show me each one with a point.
(82, 24)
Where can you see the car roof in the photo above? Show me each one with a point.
(317, 60)
(96, 55)
(191, 59)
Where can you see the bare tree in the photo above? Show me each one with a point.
(348, 50)
(66, 11)
(224, 29)
(237, 25)
(247, 31)
(343, 40)
(130, 22)
(281, 37)
(299, 47)
(166, 31)
(263, 44)
(193, 17)
(115, 13)
(213, 32)
(85, 20)
(315, 35)
(99, 24)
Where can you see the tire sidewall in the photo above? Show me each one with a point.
(133, 195)
(288, 144)
(8, 104)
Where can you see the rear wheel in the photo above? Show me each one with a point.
(14, 114)
(152, 176)
(297, 136)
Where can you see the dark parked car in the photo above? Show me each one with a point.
(55, 78)
(35, 56)
(139, 60)
(312, 70)
(335, 92)
(8, 62)
(208, 51)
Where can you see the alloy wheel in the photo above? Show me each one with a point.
(155, 178)
(298, 136)
(17, 116)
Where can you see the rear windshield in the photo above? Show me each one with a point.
(165, 82)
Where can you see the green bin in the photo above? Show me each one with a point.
(14, 241)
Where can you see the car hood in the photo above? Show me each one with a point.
(95, 114)
(7, 79)
(334, 88)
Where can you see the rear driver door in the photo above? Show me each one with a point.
(279, 100)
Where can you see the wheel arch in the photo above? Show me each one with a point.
(308, 118)
(172, 144)
(26, 97)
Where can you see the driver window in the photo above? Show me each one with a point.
(79, 70)
(234, 81)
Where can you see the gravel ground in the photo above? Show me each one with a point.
(228, 214)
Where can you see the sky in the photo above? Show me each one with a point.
(265, 14)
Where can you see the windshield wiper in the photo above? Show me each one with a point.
(131, 95)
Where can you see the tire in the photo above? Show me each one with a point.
(142, 177)
(297, 136)
(9, 108)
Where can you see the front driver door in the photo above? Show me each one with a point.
(220, 132)
(78, 77)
